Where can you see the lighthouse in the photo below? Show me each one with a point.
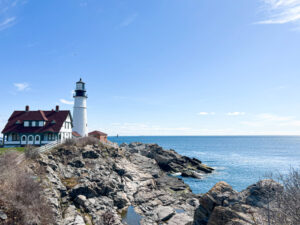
(80, 110)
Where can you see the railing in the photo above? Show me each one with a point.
(50, 146)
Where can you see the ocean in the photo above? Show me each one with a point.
(238, 160)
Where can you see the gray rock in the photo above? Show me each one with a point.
(90, 155)
(224, 206)
(120, 200)
(260, 194)
(181, 219)
(82, 189)
(164, 213)
(77, 163)
(72, 217)
(3, 216)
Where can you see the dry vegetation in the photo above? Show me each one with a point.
(31, 152)
(288, 202)
(285, 207)
(21, 194)
(81, 142)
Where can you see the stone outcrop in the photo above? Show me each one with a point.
(96, 184)
(90, 184)
(169, 160)
(224, 206)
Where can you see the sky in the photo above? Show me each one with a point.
(159, 67)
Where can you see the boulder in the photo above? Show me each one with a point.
(169, 160)
(224, 206)
(77, 163)
(180, 219)
(82, 189)
(72, 217)
(164, 213)
(81, 199)
(261, 193)
(120, 200)
(3, 215)
(90, 155)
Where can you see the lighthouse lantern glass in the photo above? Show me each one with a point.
(79, 86)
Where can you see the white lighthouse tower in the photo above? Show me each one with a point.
(80, 111)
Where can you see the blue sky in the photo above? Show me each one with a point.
(159, 67)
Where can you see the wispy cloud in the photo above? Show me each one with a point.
(66, 102)
(129, 20)
(6, 23)
(281, 11)
(206, 113)
(236, 114)
(22, 86)
(8, 11)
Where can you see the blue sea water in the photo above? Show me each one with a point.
(238, 160)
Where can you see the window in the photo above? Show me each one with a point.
(79, 86)
(41, 123)
(23, 138)
(15, 137)
(51, 137)
(33, 123)
(26, 123)
(37, 138)
(30, 138)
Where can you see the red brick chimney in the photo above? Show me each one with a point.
(57, 108)
(27, 108)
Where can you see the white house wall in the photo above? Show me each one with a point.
(66, 131)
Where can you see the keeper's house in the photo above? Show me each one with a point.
(37, 127)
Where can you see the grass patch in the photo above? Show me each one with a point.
(18, 149)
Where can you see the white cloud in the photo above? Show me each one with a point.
(7, 22)
(22, 86)
(206, 113)
(236, 114)
(66, 102)
(281, 11)
(129, 20)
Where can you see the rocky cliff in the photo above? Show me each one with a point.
(224, 206)
(95, 184)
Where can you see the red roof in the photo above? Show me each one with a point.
(96, 132)
(47, 116)
(75, 134)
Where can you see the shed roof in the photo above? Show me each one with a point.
(97, 132)
(75, 134)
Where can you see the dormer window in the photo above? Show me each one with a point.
(53, 122)
(18, 122)
(26, 123)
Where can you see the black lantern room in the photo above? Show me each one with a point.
(80, 89)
